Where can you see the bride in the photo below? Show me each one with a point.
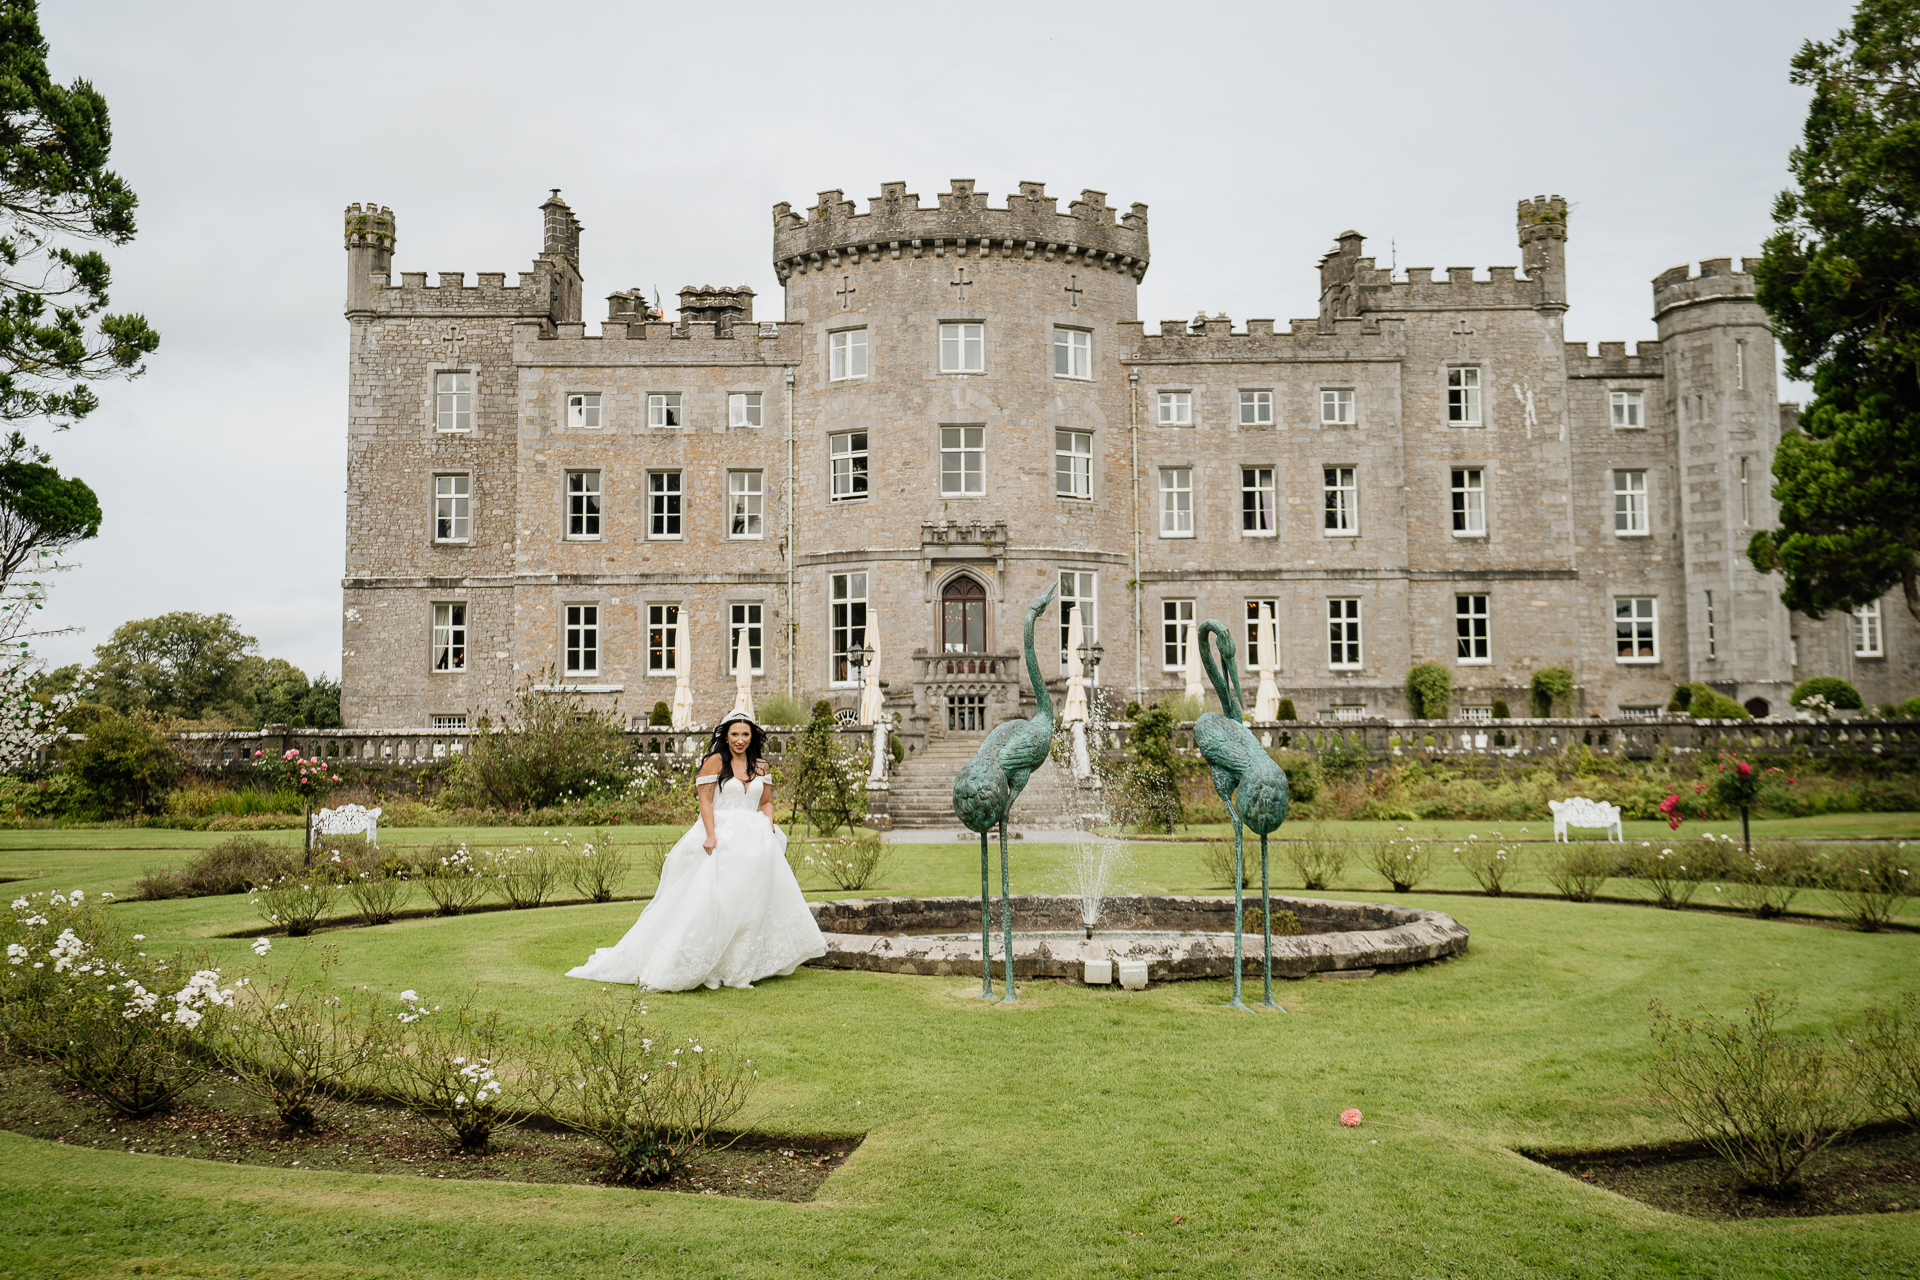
(728, 910)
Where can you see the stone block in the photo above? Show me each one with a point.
(1133, 975)
(1098, 973)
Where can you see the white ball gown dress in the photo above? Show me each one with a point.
(728, 918)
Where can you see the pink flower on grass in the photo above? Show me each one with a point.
(1351, 1117)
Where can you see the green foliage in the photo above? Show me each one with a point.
(1836, 279)
(1150, 784)
(41, 512)
(1550, 692)
(1870, 884)
(852, 862)
(661, 717)
(1838, 693)
(1286, 711)
(1492, 865)
(274, 691)
(1185, 710)
(1132, 711)
(232, 866)
(1886, 1046)
(450, 1068)
(1500, 711)
(822, 778)
(124, 764)
(550, 746)
(179, 664)
(1429, 691)
(1910, 709)
(896, 748)
(1402, 861)
(300, 1042)
(779, 709)
(1578, 869)
(1317, 858)
(1703, 703)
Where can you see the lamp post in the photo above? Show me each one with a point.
(857, 657)
(1090, 654)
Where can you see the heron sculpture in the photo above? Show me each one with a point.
(1253, 787)
(987, 786)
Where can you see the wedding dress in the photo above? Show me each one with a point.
(722, 919)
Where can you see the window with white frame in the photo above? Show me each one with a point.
(663, 409)
(1713, 634)
(848, 624)
(1176, 502)
(1256, 408)
(1626, 408)
(743, 409)
(1176, 409)
(583, 639)
(1866, 631)
(847, 466)
(1072, 353)
(663, 639)
(1336, 406)
(746, 498)
(1469, 502)
(847, 354)
(1258, 613)
(583, 504)
(1629, 503)
(1746, 492)
(583, 409)
(1176, 633)
(1073, 464)
(450, 636)
(1471, 643)
(1077, 592)
(963, 461)
(1635, 634)
(453, 401)
(442, 724)
(963, 348)
(452, 495)
(747, 618)
(1342, 493)
(1740, 364)
(1257, 513)
(1463, 396)
(1343, 633)
(663, 504)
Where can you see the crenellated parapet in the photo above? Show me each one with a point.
(896, 225)
(1717, 281)
(1352, 285)
(1212, 339)
(1646, 361)
(489, 294)
(692, 341)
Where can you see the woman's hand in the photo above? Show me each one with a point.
(710, 842)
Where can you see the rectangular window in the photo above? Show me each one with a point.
(1257, 515)
(847, 454)
(1626, 407)
(963, 348)
(583, 409)
(450, 637)
(663, 639)
(1176, 409)
(1176, 633)
(848, 624)
(1713, 639)
(747, 618)
(1073, 464)
(1740, 363)
(663, 409)
(442, 724)
(1259, 611)
(848, 352)
(451, 508)
(1470, 629)
(1866, 631)
(743, 409)
(663, 504)
(583, 639)
(1634, 637)
(583, 504)
(1176, 502)
(1077, 588)
(1343, 633)
(1469, 502)
(1072, 353)
(1342, 502)
(1256, 408)
(1629, 502)
(453, 401)
(746, 499)
(1336, 406)
(1463, 397)
(963, 461)
(1746, 493)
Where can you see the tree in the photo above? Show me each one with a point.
(821, 779)
(125, 763)
(550, 748)
(1837, 277)
(41, 512)
(179, 664)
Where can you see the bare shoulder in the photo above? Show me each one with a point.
(713, 764)
(761, 769)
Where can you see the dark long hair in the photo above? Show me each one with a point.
(717, 745)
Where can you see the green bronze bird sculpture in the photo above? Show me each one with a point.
(1253, 787)
(987, 786)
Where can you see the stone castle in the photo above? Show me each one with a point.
(960, 408)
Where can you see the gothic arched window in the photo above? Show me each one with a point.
(963, 616)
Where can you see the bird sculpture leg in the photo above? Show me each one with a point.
(1266, 916)
(1239, 906)
(1006, 917)
(986, 930)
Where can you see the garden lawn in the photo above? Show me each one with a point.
(1082, 1132)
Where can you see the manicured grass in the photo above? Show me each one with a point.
(1082, 1132)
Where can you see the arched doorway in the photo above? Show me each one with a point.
(963, 616)
(1757, 708)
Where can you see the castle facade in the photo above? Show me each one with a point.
(959, 408)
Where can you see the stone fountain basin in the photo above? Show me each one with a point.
(1178, 937)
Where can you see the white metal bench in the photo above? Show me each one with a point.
(348, 820)
(1582, 812)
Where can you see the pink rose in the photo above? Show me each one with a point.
(1351, 1117)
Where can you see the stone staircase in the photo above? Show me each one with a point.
(921, 791)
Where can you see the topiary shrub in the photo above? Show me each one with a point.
(662, 716)
(1550, 692)
(1910, 709)
(1500, 710)
(1682, 696)
(1288, 713)
(1132, 712)
(1705, 704)
(1840, 695)
(897, 747)
(1429, 691)
(779, 709)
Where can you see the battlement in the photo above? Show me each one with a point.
(1212, 338)
(370, 227)
(490, 294)
(896, 225)
(721, 306)
(1647, 360)
(694, 341)
(1352, 285)
(1717, 281)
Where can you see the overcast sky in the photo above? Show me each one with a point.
(1255, 133)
